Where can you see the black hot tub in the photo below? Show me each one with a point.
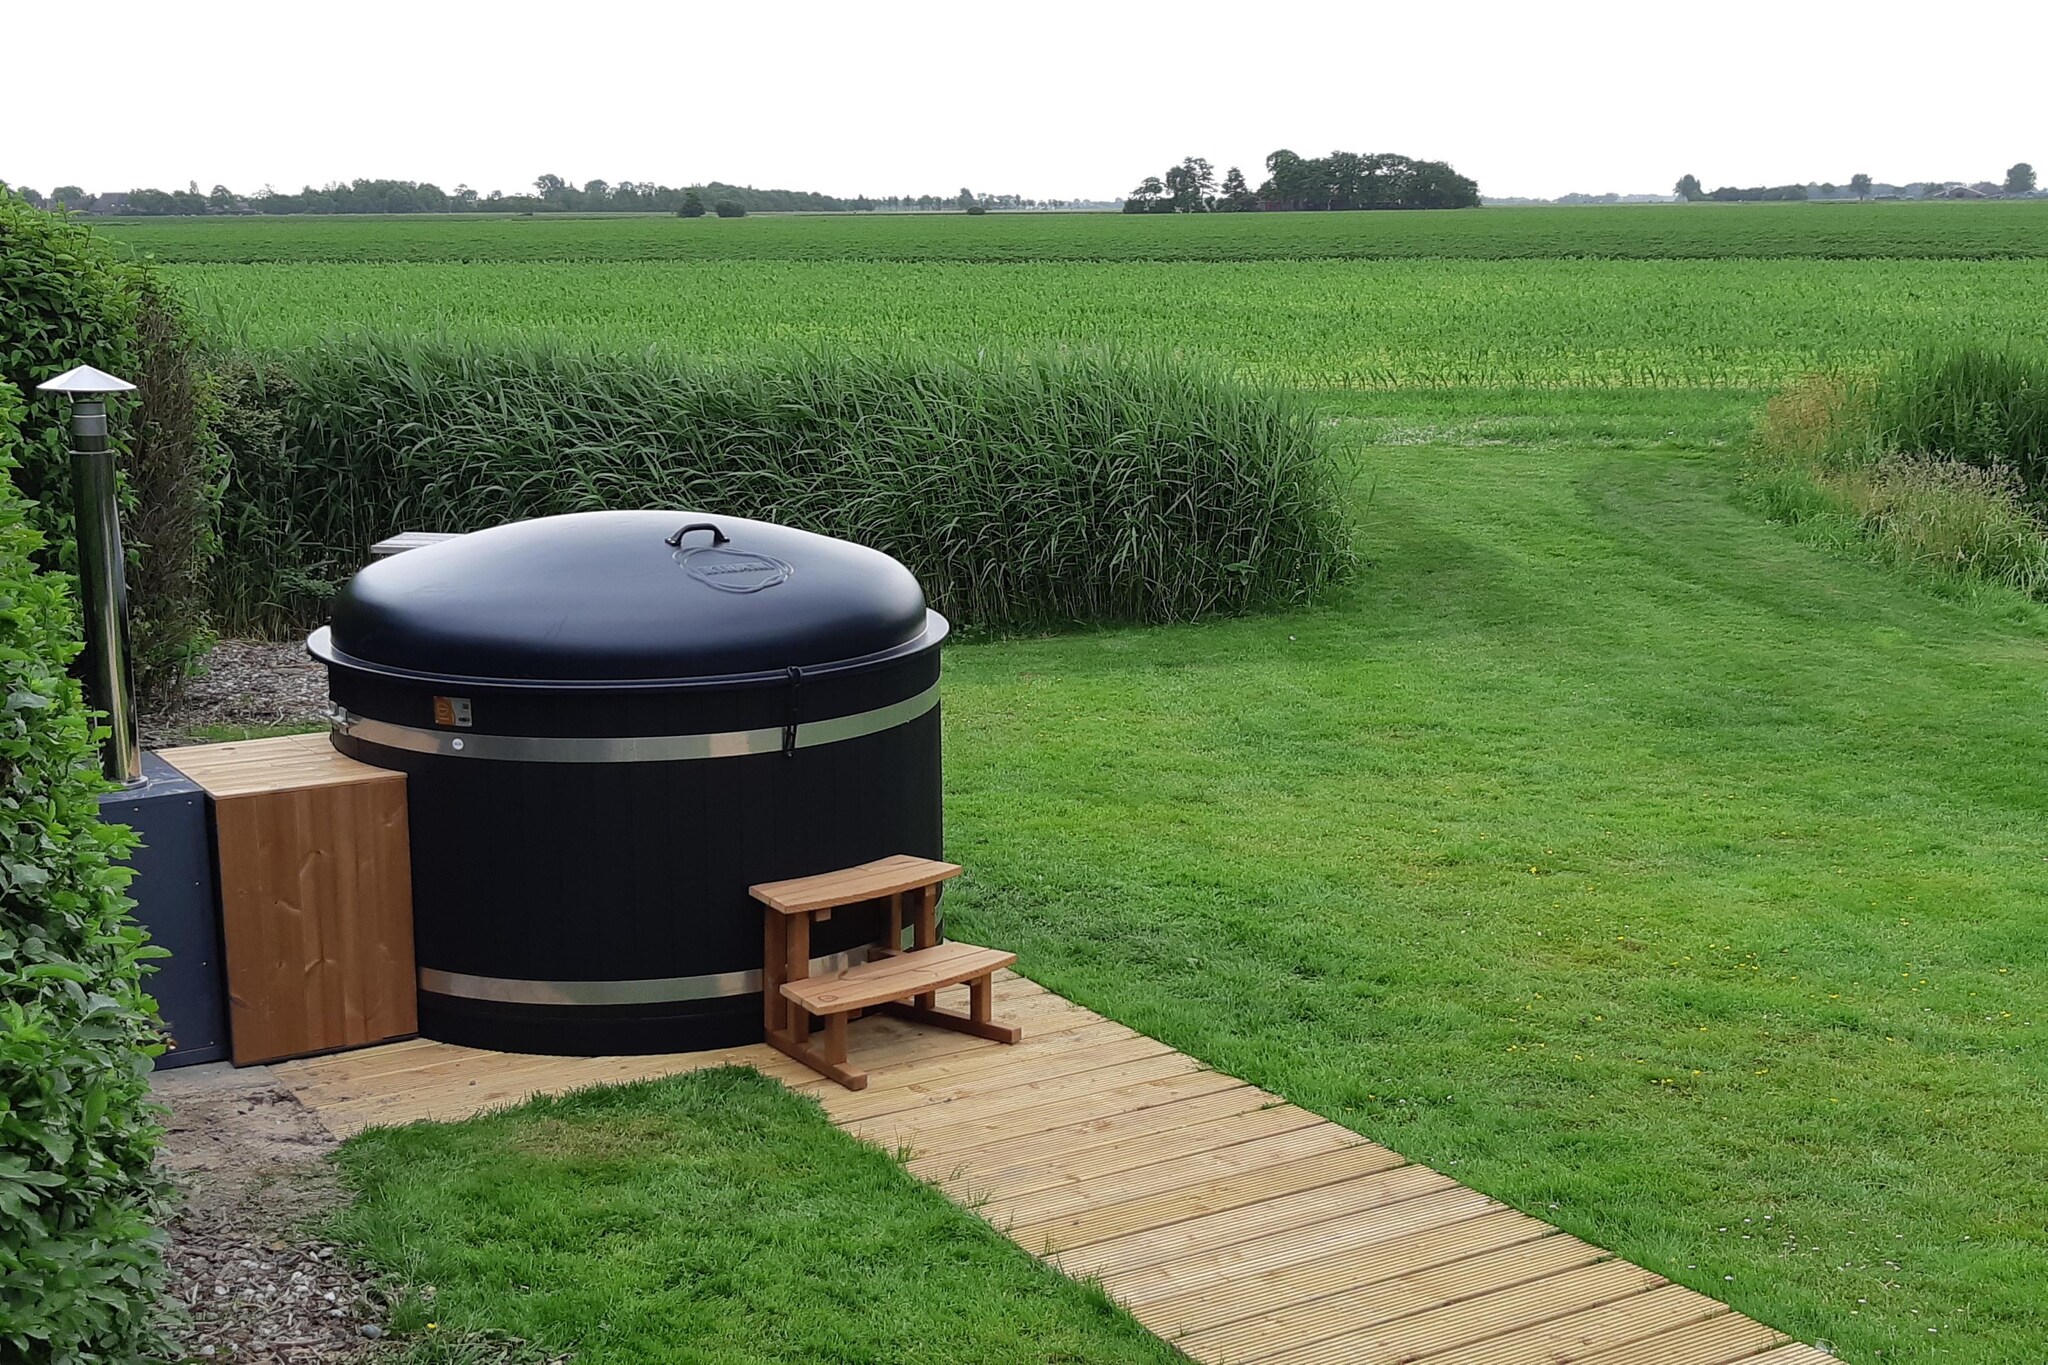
(612, 724)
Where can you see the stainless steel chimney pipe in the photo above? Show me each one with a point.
(102, 567)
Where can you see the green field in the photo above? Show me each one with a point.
(1603, 844)
(1958, 230)
(1322, 324)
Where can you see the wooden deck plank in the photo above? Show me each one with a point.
(1167, 1171)
(889, 1043)
(1237, 1226)
(1475, 1323)
(346, 1076)
(912, 1058)
(1005, 1104)
(1619, 1328)
(1029, 1112)
(1360, 1197)
(1205, 1269)
(1724, 1339)
(1791, 1353)
(1388, 1300)
(410, 1105)
(427, 1072)
(933, 1087)
(1264, 1180)
(1092, 1153)
(1472, 1246)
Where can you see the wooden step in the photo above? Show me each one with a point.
(895, 978)
(852, 885)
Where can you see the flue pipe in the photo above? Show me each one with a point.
(102, 567)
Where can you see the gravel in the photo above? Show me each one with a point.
(244, 684)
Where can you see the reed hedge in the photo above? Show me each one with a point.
(67, 297)
(1026, 492)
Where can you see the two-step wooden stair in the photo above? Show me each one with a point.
(901, 982)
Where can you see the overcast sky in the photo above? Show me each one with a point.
(1051, 99)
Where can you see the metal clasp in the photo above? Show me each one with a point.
(796, 679)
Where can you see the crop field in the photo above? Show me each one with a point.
(1944, 230)
(1321, 324)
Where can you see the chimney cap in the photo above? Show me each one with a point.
(83, 381)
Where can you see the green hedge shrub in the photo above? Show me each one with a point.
(1025, 492)
(79, 1262)
(67, 298)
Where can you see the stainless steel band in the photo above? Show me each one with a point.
(633, 748)
(661, 990)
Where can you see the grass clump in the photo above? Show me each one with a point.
(713, 1216)
(1025, 491)
(1938, 461)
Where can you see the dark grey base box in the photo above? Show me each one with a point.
(174, 900)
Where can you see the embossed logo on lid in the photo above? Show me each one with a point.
(733, 570)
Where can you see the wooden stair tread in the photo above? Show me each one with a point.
(895, 978)
(852, 885)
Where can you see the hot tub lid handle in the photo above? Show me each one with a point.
(718, 537)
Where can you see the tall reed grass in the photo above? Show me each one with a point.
(1025, 491)
(1938, 461)
(1980, 405)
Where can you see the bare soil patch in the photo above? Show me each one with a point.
(249, 1274)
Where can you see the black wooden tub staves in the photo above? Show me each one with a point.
(612, 724)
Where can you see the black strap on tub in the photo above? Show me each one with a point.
(796, 679)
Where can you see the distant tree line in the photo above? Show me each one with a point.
(551, 194)
(1339, 181)
(2019, 182)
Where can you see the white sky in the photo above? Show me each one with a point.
(1051, 99)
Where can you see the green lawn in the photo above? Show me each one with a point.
(1602, 845)
(712, 1217)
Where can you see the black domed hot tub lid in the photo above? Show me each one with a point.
(627, 600)
(613, 723)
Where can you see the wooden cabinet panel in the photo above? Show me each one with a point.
(315, 876)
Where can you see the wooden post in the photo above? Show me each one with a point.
(927, 935)
(797, 967)
(835, 1037)
(774, 960)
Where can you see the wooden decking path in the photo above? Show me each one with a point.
(1231, 1223)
